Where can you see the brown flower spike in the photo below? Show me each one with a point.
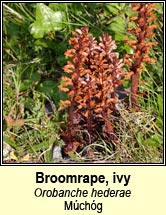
(141, 45)
(94, 71)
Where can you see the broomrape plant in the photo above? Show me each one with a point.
(141, 45)
(94, 71)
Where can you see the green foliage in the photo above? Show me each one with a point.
(33, 80)
(50, 89)
(48, 19)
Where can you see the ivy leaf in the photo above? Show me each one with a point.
(58, 6)
(47, 20)
(33, 79)
(50, 89)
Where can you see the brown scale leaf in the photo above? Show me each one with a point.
(65, 103)
(63, 89)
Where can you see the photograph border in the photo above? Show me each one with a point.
(82, 164)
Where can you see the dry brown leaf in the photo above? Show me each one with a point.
(25, 158)
(12, 156)
(90, 152)
(11, 122)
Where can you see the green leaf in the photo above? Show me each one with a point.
(75, 157)
(155, 140)
(160, 104)
(4, 125)
(10, 142)
(118, 25)
(49, 88)
(29, 103)
(120, 36)
(34, 78)
(131, 13)
(119, 28)
(159, 122)
(128, 49)
(25, 84)
(47, 20)
(45, 43)
(58, 6)
(113, 8)
(139, 137)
